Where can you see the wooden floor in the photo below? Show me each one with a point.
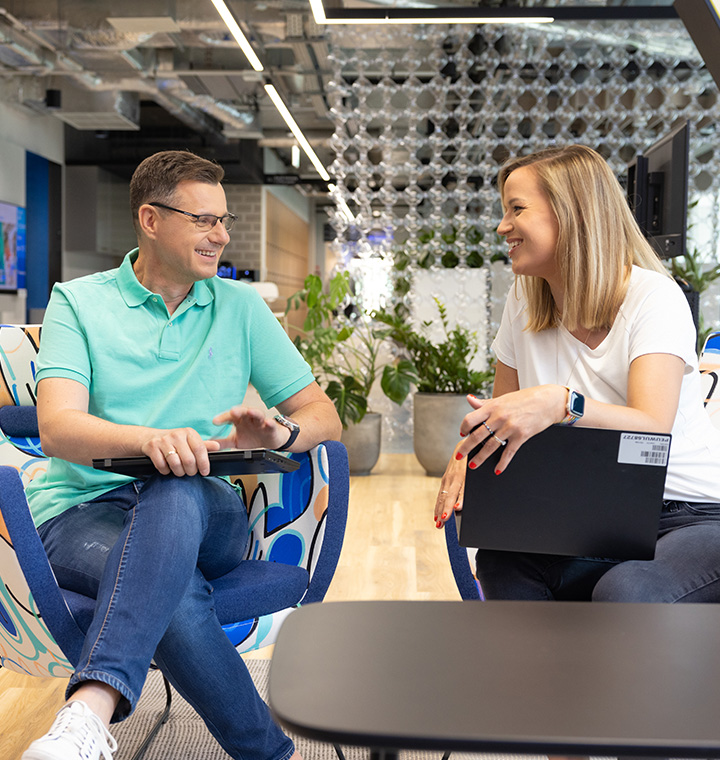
(392, 550)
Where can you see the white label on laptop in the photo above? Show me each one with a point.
(641, 448)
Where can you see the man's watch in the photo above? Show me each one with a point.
(292, 426)
(575, 407)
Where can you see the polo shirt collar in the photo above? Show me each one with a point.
(135, 294)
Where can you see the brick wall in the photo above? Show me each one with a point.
(245, 247)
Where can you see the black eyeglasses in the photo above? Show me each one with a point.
(203, 222)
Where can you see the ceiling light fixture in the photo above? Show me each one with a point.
(237, 33)
(299, 136)
(474, 15)
(342, 205)
(411, 16)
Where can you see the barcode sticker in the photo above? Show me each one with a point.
(641, 448)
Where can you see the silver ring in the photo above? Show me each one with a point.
(444, 492)
(499, 440)
(172, 451)
(488, 428)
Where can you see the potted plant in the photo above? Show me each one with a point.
(444, 377)
(344, 349)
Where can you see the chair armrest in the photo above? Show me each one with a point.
(328, 549)
(45, 614)
(459, 563)
(19, 421)
(299, 518)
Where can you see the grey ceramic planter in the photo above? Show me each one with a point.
(436, 428)
(362, 442)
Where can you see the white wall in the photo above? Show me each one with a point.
(38, 133)
(20, 131)
(97, 221)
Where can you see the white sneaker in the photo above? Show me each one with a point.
(76, 734)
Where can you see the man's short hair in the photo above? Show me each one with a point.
(157, 177)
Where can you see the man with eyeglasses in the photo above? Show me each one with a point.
(154, 358)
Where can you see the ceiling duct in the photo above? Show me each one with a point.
(99, 110)
(25, 91)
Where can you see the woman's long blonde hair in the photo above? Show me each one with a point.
(598, 239)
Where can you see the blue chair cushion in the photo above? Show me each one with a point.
(254, 588)
(19, 421)
(257, 587)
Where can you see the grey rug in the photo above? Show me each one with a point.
(185, 737)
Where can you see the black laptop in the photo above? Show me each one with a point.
(226, 462)
(575, 491)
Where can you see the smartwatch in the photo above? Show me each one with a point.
(292, 426)
(575, 407)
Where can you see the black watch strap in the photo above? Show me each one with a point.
(292, 426)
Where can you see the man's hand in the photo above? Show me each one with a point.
(181, 452)
(252, 429)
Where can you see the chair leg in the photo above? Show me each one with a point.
(339, 752)
(147, 741)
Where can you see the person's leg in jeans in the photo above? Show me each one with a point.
(169, 528)
(686, 567)
(200, 662)
(538, 577)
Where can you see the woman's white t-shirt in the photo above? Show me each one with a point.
(653, 319)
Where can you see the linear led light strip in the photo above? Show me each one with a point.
(299, 136)
(237, 33)
(342, 205)
(318, 11)
(242, 40)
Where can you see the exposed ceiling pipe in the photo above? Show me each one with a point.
(198, 112)
(18, 25)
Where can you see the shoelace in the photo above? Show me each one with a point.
(81, 726)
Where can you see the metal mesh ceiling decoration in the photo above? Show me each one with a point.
(425, 115)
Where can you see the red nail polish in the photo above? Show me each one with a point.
(472, 465)
(458, 456)
(497, 472)
(462, 435)
(444, 516)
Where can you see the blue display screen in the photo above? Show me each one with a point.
(12, 247)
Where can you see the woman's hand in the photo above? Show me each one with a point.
(450, 497)
(181, 452)
(507, 421)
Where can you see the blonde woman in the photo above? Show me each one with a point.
(595, 333)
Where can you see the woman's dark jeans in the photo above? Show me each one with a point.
(686, 567)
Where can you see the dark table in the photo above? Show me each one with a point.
(518, 677)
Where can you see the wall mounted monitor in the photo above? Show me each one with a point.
(12, 247)
(702, 20)
(658, 192)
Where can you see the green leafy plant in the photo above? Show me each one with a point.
(345, 352)
(438, 367)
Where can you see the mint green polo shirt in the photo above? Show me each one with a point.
(142, 366)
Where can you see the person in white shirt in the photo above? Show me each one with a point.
(595, 332)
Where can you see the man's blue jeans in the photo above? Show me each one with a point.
(148, 551)
(686, 567)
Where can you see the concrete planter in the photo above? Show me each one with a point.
(436, 428)
(362, 442)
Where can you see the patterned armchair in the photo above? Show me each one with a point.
(297, 522)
